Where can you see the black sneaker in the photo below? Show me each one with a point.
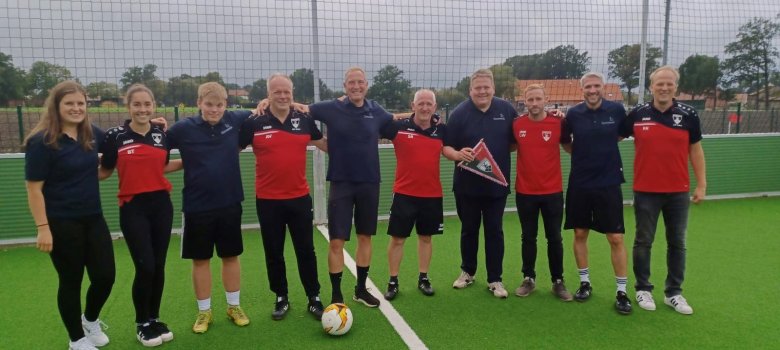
(623, 304)
(163, 330)
(280, 308)
(392, 291)
(315, 307)
(148, 336)
(583, 293)
(424, 285)
(363, 296)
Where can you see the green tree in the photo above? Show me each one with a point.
(560, 62)
(449, 96)
(390, 88)
(753, 56)
(464, 85)
(42, 77)
(527, 66)
(624, 64)
(303, 86)
(258, 90)
(700, 75)
(182, 89)
(146, 75)
(504, 81)
(10, 78)
(103, 90)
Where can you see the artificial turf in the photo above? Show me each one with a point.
(731, 284)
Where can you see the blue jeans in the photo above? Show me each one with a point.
(647, 207)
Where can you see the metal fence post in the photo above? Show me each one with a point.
(21, 125)
(175, 114)
(446, 112)
(739, 116)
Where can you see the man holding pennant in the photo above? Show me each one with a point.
(481, 123)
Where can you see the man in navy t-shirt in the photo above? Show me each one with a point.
(594, 200)
(481, 117)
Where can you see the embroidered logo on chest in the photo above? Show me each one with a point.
(546, 135)
(677, 119)
(296, 123)
(157, 138)
(521, 133)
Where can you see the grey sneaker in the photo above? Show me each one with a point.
(559, 289)
(645, 300)
(526, 287)
(463, 281)
(679, 304)
(497, 288)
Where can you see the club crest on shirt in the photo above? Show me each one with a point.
(546, 135)
(677, 118)
(296, 123)
(521, 133)
(157, 137)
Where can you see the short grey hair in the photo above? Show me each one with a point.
(421, 91)
(591, 75)
(668, 68)
(276, 76)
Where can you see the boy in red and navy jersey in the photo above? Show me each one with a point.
(417, 193)
(539, 188)
(279, 139)
(667, 135)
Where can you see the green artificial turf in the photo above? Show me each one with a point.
(731, 284)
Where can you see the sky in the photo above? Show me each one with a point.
(435, 42)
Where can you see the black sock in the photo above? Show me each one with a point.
(335, 281)
(362, 275)
(394, 279)
(423, 276)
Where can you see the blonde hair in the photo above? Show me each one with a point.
(50, 123)
(482, 73)
(531, 87)
(210, 88)
(137, 88)
(667, 68)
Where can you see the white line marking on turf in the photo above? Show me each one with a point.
(401, 327)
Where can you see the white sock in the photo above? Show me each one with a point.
(584, 275)
(233, 297)
(621, 283)
(204, 305)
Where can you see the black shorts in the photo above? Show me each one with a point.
(207, 229)
(346, 198)
(599, 209)
(406, 211)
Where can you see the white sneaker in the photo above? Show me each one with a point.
(81, 344)
(463, 281)
(94, 331)
(498, 289)
(679, 304)
(645, 300)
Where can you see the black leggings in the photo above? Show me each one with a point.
(146, 225)
(79, 243)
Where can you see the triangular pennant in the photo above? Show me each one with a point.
(484, 165)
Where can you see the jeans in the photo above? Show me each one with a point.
(551, 208)
(647, 207)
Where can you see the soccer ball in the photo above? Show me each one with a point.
(336, 319)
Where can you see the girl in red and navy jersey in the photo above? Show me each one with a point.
(61, 162)
(138, 150)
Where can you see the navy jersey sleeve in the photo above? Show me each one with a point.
(694, 131)
(37, 159)
(246, 133)
(238, 117)
(386, 130)
(98, 135)
(392, 131)
(109, 150)
(565, 136)
(315, 133)
(318, 109)
(627, 125)
(172, 135)
(450, 138)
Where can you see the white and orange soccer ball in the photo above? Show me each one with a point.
(337, 319)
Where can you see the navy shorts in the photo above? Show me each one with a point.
(599, 209)
(220, 228)
(406, 211)
(346, 198)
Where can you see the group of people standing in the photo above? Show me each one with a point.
(63, 168)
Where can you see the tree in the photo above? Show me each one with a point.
(449, 96)
(103, 90)
(699, 75)
(753, 56)
(42, 77)
(504, 81)
(390, 88)
(258, 90)
(147, 76)
(527, 66)
(464, 85)
(624, 64)
(182, 90)
(10, 76)
(560, 62)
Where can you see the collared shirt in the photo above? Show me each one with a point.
(212, 177)
(280, 153)
(70, 175)
(139, 159)
(353, 136)
(467, 125)
(539, 154)
(662, 142)
(418, 155)
(595, 157)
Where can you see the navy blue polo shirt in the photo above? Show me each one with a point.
(212, 177)
(353, 138)
(70, 175)
(466, 126)
(595, 158)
